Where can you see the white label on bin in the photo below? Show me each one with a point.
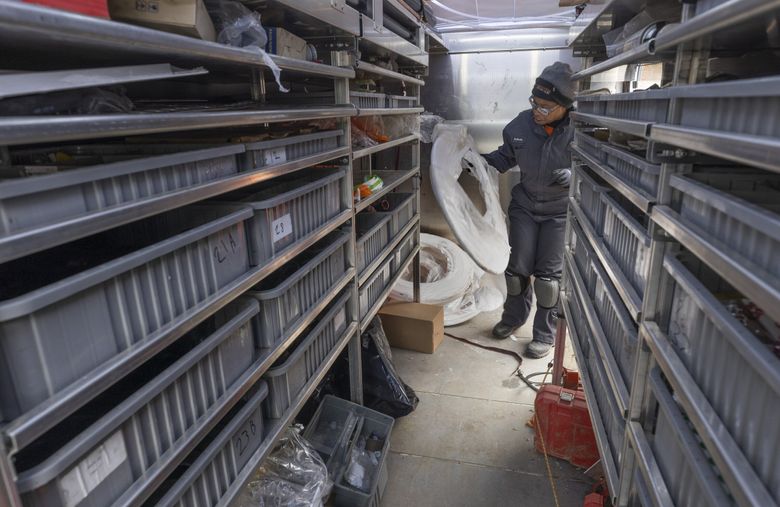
(82, 479)
(275, 156)
(339, 320)
(281, 228)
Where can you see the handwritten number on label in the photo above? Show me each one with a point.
(242, 442)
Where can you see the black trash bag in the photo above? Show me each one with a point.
(383, 389)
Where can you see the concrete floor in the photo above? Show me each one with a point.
(467, 444)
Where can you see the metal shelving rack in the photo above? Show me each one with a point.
(33, 34)
(662, 237)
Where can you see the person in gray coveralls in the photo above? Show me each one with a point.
(538, 142)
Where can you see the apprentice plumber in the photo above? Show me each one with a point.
(538, 142)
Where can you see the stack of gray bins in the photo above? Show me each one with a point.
(672, 278)
(129, 352)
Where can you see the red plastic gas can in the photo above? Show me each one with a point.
(95, 8)
(562, 419)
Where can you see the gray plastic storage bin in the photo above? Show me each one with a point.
(576, 319)
(367, 422)
(375, 285)
(367, 100)
(639, 495)
(731, 106)
(645, 106)
(286, 380)
(70, 333)
(588, 193)
(738, 213)
(373, 235)
(628, 242)
(405, 249)
(590, 145)
(617, 324)
(279, 151)
(121, 457)
(735, 371)
(216, 468)
(633, 170)
(582, 254)
(46, 201)
(402, 206)
(294, 290)
(401, 101)
(82, 155)
(687, 471)
(607, 405)
(330, 430)
(288, 211)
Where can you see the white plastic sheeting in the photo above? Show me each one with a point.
(448, 277)
(483, 236)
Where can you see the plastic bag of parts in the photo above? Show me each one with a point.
(449, 277)
(86, 101)
(483, 235)
(293, 475)
(428, 122)
(360, 139)
(371, 126)
(365, 457)
(402, 125)
(238, 26)
(383, 389)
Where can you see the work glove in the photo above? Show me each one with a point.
(562, 176)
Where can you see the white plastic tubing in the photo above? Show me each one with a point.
(448, 277)
(483, 236)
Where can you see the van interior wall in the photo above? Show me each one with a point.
(484, 91)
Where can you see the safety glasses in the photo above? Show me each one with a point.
(543, 110)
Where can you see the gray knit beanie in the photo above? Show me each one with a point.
(556, 84)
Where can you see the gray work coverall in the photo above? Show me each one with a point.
(537, 214)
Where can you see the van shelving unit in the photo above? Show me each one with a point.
(103, 171)
(699, 202)
(329, 20)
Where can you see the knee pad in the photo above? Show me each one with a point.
(516, 284)
(547, 291)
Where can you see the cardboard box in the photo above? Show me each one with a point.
(283, 43)
(413, 326)
(185, 17)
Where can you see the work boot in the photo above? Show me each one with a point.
(503, 331)
(537, 350)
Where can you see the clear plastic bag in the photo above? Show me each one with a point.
(238, 26)
(402, 125)
(428, 122)
(362, 463)
(360, 139)
(293, 475)
(85, 101)
(372, 126)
